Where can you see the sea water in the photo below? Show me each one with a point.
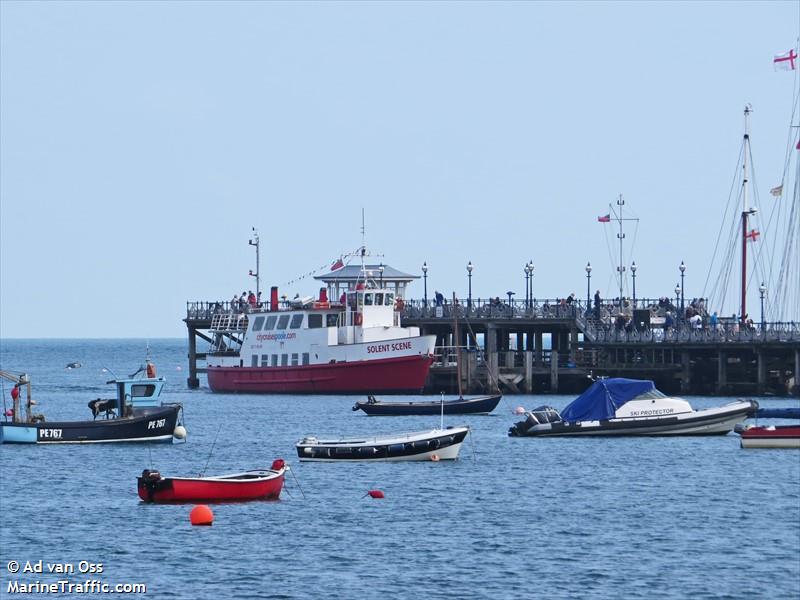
(514, 517)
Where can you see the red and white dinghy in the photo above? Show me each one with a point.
(771, 436)
(263, 484)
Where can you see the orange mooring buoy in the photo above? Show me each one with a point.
(435, 457)
(375, 494)
(201, 515)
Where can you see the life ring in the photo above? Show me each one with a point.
(358, 319)
(399, 304)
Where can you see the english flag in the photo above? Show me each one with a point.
(604, 218)
(786, 61)
(753, 235)
(337, 265)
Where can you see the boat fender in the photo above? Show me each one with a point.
(278, 464)
(359, 319)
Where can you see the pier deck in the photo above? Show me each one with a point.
(542, 346)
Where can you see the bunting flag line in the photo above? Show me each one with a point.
(785, 61)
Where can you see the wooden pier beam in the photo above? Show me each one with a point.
(685, 373)
(192, 381)
(722, 371)
(492, 356)
(554, 371)
(537, 357)
(762, 371)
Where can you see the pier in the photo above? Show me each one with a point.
(545, 346)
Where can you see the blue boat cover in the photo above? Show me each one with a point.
(602, 400)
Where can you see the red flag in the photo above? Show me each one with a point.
(337, 265)
(753, 235)
(604, 218)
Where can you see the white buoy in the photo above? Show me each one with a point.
(180, 432)
(519, 410)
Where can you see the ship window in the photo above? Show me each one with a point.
(283, 321)
(258, 323)
(284, 360)
(274, 360)
(378, 299)
(270, 322)
(332, 320)
(142, 390)
(254, 360)
(389, 299)
(265, 360)
(294, 359)
(297, 321)
(314, 321)
(368, 299)
(305, 358)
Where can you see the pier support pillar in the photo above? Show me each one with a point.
(528, 372)
(192, 381)
(537, 357)
(491, 357)
(796, 390)
(762, 372)
(722, 372)
(686, 383)
(554, 371)
(573, 344)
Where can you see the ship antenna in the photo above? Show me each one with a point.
(256, 242)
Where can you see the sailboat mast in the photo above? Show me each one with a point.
(621, 236)
(745, 209)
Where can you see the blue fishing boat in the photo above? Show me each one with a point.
(135, 414)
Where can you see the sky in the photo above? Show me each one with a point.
(140, 142)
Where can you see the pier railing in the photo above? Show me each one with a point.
(605, 329)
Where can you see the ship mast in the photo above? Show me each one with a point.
(746, 210)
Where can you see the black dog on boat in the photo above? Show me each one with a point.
(103, 406)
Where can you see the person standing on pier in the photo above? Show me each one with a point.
(439, 298)
(597, 301)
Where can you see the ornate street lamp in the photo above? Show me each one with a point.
(633, 272)
(683, 270)
(469, 278)
(530, 279)
(527, 272)
(762, 289)
(588, 285)
(425, 280)
(677, 294)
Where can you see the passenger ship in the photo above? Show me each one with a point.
(356, 345)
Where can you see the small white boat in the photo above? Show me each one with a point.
(435, 444)
(619, 407)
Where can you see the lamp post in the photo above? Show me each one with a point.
(633, 273)
(762, 290)
(530, 279)
(425, 280)
(469, 278)
(527, 271)
(380, 268)
(683, 270)
(588, 285)
(677, 295)
(510, 305)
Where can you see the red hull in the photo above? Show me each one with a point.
(403, 374)
(211, 490)
(776, 432)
